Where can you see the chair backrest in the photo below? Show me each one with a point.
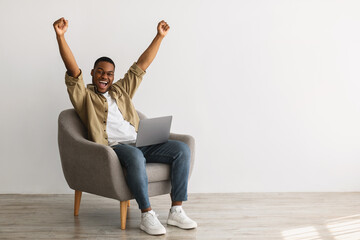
(70, 122)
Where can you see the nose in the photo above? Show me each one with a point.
(103, 75)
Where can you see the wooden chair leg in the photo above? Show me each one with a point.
(128, 203)
(77, 202)
(123, 213)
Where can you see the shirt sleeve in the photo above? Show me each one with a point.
(131, 80)
(76, 90)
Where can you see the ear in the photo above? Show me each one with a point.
(92, 72)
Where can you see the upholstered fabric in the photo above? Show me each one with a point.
(95, 168)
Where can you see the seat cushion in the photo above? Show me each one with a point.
(158, 172)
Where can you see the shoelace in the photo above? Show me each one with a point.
(151, 218)
(181, 215)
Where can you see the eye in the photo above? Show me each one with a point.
(110, 74)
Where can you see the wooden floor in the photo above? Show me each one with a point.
(247, 216)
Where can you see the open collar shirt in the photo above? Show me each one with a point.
(92, 107)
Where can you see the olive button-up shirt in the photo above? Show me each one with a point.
(92, 106)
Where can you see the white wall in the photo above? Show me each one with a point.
(269, 89)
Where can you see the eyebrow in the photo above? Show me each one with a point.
(104, 69)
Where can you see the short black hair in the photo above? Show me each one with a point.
(104, 59)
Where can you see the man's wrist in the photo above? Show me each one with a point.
(60, 37)
(159, 36)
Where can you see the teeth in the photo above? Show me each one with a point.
(104, 82)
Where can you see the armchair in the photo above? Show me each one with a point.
(95, 168)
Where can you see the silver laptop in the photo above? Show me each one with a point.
(153, 131)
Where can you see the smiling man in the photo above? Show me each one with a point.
(106, 109)
(103, 74)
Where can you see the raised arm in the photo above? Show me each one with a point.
(148, 56)
(60, 27)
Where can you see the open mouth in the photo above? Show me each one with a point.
(103, 84)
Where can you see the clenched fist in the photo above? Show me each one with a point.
(60, 26)
(163, 28)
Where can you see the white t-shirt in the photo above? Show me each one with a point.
(117, 128)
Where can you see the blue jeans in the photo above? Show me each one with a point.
(175, 153)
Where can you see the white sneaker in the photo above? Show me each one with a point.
(177, 217)
(151, 224)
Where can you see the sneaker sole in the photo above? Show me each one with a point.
(152, 232)
(182, 226)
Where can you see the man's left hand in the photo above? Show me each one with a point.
(163, 28)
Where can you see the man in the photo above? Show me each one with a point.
(111, 119)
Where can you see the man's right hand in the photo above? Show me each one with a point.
(60, 26)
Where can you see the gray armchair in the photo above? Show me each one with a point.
(95, 168)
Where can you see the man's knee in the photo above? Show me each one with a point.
(136, 160)
(183, 150)
(131, 157)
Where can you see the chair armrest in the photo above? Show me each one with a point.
(190, 141)
(92, 168)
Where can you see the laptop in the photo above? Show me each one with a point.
(152, 131)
